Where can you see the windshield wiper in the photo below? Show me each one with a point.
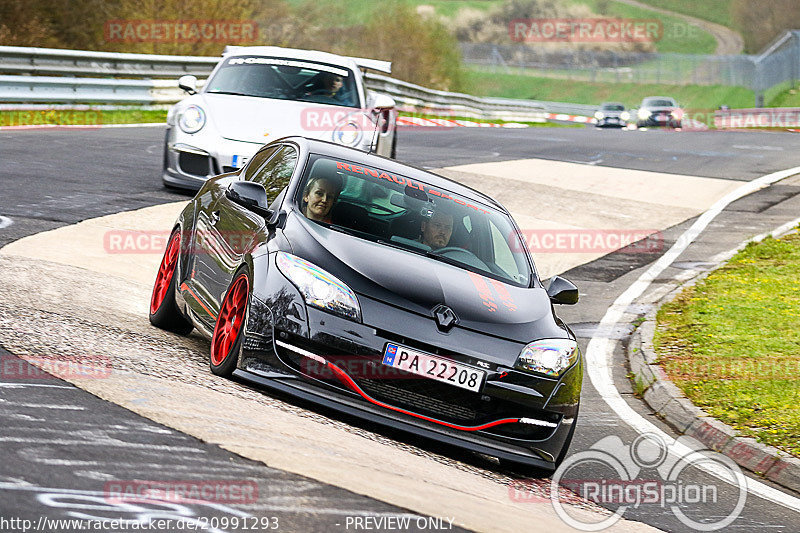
(229, 92)
(444, 259)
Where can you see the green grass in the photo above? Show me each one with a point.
(693, 97)
(718, 11)
(783, 96)
(63, 117)
(732, 342)
(678, 37)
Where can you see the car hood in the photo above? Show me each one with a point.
(261, 120)
(418, 284)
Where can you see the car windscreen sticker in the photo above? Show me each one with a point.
(287, 63)
(400, 180)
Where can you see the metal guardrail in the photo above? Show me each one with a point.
(54, 75)
(46, 61)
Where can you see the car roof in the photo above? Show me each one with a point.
(612, 103)
(658, 98)
(293, 53)
(351, 154)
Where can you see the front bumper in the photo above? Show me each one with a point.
(189, 160)
(314, 355)
(614, 122)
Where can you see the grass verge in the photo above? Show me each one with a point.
(80, 117)
(485, 83)
(732, 342)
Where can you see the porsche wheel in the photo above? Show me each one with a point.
(227, 338)
(164, 312)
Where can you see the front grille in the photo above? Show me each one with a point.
(196, 164)
(424, 400)
(427, 397)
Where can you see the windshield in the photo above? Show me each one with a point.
(285, 79)
(659, 103)
(613, 107)
(396, 211)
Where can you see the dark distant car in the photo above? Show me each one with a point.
(612, 114)
(378, 289)
(659, 111)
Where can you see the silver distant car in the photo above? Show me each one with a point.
(257, 94)
(612, 114)
(659, 111)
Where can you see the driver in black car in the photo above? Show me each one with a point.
(437, 230)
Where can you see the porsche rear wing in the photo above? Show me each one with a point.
(362, 63)
(373, 64)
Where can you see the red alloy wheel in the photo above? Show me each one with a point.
(230, 320)
(165, 271)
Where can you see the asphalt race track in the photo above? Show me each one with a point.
(63, 444)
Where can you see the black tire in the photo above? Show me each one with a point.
(223, 362)
(165, 314)
(393, 154)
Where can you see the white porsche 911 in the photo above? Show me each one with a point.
(257, 94)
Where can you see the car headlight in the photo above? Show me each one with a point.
(599, 115)
(677, 114)
(319, 288)
(192, 119)
(348, 134)
(625, 115)
(548, 356)
(643, 114)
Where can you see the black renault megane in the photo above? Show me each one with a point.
(380, 290)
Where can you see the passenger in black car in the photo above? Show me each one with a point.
(319, 195)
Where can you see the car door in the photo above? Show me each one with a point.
(211, 242)
(237, 230)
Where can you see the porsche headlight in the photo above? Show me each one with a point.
(348, 134)
(599, 115)
(548, 356)
(677, 113)
(192, 119)
(319, 288)
(643, 114)
(625, 115)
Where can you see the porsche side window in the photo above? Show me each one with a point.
(258, 161)
(275, 175)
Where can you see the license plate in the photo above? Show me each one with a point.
(238, 161)
(433, 367)
(661, 118)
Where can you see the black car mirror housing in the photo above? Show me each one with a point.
(562, 291)
(251, 196)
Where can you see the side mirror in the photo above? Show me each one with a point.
(251, 196)
(383, 101)
(188, 83)
(562, 291)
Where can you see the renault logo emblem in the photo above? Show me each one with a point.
(445, 317)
